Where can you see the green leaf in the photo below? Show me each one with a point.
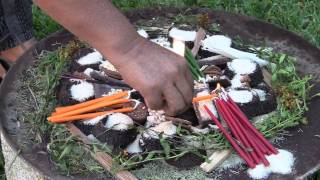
(150, 156)
(66, 151)
(282, 58)
(166, 147)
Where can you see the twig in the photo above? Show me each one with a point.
(214, 60)
(33, 96)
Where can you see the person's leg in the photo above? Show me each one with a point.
(16, 31)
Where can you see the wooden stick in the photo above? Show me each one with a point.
(88, 103)
(214, 60)
(217, 158)
(266, 76)
(89, 108)
(102, 158)
(86, 116)
(201, 34)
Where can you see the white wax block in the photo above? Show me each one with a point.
(182, 35)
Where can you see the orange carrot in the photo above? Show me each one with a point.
(201, 98)
(89, 108)
(88, 103)
(88, 116)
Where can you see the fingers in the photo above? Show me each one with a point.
(154, 99)
(185, 90)
(174, 100)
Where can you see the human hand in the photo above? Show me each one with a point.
(161, 76)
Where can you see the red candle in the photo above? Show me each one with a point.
(235, 129)
(228, 136)
(253, 141)
(246, 122)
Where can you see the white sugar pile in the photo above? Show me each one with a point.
(281, 163)
(91, 58)
(242, 66)
(134, 147)
(119, 122)
(143, 33)
(236, 81)
(241, 96)
(261, 93)
(82, 91)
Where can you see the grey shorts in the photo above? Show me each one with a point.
(15, 23)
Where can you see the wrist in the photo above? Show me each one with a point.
(124, 48)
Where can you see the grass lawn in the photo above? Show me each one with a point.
(299, 16)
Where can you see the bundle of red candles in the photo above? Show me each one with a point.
(247, 141)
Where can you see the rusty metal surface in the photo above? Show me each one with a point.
(304, 142)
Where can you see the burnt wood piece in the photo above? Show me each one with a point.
(108, 80)
(112, 74)
(180, 122)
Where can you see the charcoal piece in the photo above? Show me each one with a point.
(76, 67)
(223, 81)
(189, 115)
(189, 44)
(139, 115)
(86, 129)
(136, 95)
(268, 102)
(115, 138)
(204, 54)
(149, 144)
(187, 161)
(250, 108)
(103, 89)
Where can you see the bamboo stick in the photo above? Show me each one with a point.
(217, 158)
(201, 34)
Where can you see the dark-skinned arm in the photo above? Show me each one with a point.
(161, 76)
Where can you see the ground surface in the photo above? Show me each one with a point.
(299, 16)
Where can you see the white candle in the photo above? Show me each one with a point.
(179, 47)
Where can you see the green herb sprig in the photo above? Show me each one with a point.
(193, 65)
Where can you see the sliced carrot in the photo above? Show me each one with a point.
(88, 116)
(88, 103)
(206, 97)
(89, 108)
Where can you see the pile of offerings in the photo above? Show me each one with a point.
(232, 91)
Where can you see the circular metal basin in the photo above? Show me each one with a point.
(305, 139)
